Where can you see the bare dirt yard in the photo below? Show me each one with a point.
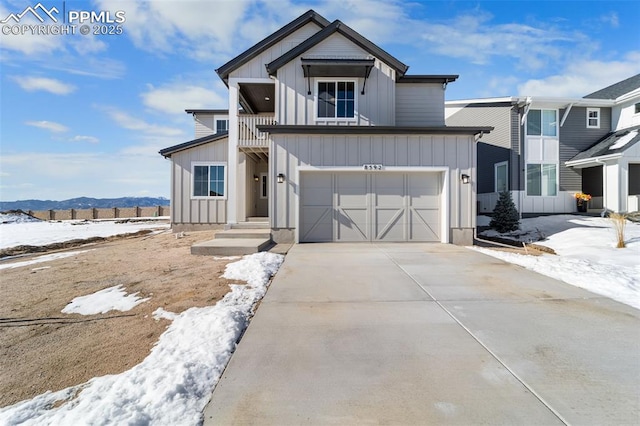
(42, 349)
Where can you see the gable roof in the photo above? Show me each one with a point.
(261, 46)
(337, 27)
(167, 152)
(607, 146)
(616, 90)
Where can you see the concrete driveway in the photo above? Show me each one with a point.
(428, 334)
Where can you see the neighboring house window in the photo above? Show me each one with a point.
(501, 176)
(542, 153)
(222, 126)
(637, 108)
(542, 122)
(593, 118)
(209, 180)
(264, 186)
(336, 99)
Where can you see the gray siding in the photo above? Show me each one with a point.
(255, 68)
(185, 210)
(291, 151)
(490, 155)
(419, 105)
(576, 137)
(205, 125)
(295, 107)
(516, 168)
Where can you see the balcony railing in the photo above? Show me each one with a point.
(248, 134)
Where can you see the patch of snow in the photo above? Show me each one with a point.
(624, 140)
(174, 383)
(483, 220)
(226, 257)
(586, 254)
(16, 217)
(42, 233)
(110, 299)
(40, 259)
(160, 313)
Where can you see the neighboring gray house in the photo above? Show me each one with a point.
(334, 142)
(545, 150)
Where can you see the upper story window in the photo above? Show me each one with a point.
(593, 118)
(209, 180)
(222, 126)
(336, 99)
(542, 122)
(637, 108)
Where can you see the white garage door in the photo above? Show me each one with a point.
(382, 206)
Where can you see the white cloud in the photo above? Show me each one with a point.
(88, 44)
(582, 77)
(28, 44)
(611, 19)
(176, 97)
(48, 125)
(32, 84)
(88, 139)
(130, 122)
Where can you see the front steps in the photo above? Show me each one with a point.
(239, 239)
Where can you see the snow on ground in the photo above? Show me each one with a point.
(16, 217)
(110, 299)
(174, 383)
(40, 259)
(586, 254)
(41, 233)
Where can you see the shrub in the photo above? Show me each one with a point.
(505, 215)
(619, 222)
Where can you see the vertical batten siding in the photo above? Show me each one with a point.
(292, 151)
(184, 210)
(419, 104)
(296, 107)
(575, 137)
(255, 68)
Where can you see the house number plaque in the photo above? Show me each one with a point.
(372, 166)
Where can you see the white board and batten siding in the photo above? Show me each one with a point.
(296, 107)
(184, 208)
(205, 125)
(419, 105)
(294, 155)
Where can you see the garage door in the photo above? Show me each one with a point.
(383, 206)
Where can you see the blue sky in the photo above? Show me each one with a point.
(86, 115)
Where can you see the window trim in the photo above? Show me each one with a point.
(597, 118)
(264, 180)
(217, 130)
(542, 135)
(495, 175)
(541, 163)
(636, 108)
(336, 81)
(193, 176)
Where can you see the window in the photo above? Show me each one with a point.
(593, 118)
(336, 99)
(501, 176)
(542, 180)
(264, 186)
(637, 108)
(222, 126)
(542, 122)
(209, 181)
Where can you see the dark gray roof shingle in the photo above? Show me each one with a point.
(603, 146)
(166, 152)
(616, 90)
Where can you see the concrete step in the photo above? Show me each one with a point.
(250, 225)
(244, 233)
(258, 219)
(231, 246)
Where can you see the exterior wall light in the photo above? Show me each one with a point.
(256, 178)
(464, 178)
(280, 178)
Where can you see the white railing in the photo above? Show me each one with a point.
(248, 133)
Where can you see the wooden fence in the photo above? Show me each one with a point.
(110, 213)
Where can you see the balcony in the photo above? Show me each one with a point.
(249, 137)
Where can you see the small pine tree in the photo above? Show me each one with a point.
(505, 215)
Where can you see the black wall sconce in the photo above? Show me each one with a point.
(464, 178)
(256, 178)
(280, 178)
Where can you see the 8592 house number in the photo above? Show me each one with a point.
(372, 167)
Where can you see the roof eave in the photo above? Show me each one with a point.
(427, 78)
(168, 152)
(380, 130)
(593, 160)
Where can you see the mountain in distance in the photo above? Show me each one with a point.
(83, 203)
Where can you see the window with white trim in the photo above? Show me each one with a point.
(222, 126)
(501, 176)
(542, 153)
(593, 118)
(542, 122)
(209, 180)
(336, 99)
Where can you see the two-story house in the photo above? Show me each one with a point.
(332, 140)
(544, 150)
